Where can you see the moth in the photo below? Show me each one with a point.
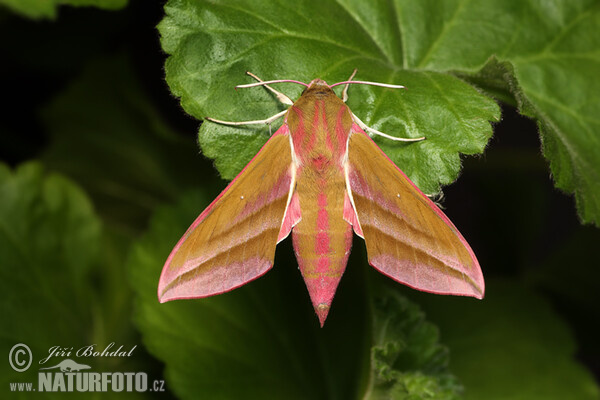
(320, 177)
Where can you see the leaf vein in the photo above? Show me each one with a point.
(447, 26)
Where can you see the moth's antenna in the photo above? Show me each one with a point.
(249, 85)
(386, 85)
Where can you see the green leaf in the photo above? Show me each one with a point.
(577, 298)
(127, 157)
(546, 55)
(50, 239)
(57, 275)
(38, 9)
(407, 360)
(543, 56)
(212, 44)
(511, 345)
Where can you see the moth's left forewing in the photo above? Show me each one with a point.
(407, 236)
(233, 241)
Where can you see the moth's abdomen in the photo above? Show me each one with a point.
(322, 239)
(319, 124)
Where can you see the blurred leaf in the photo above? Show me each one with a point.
(109, 138)
(407, 360)
(50, 238)
(577, 252)
(48, 8)
(511, 345)
(575, 297)
(212, 43)
(49, 245)
(543, 56)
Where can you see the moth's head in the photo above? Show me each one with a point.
(317, 81)
(318, 88)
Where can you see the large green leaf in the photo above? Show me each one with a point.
(50, 242)
(48, 8)
(213, 43)
(263, 341)
(543, 56)
(512, 345)
(50, 238)
(552, 56)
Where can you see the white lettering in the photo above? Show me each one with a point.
(85, 351)
(141, 382)
(89, 382)
(94, 382)
(118, 381)
(129, 376)
(106, 380)
(82, 382)
(59, 383)
(131, 351)
(57, 351)
(70, 376)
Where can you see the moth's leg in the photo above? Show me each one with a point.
(345, 91)
(267, 121)
(372, 132)
(280, 96)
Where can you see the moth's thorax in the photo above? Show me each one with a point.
(319, 124)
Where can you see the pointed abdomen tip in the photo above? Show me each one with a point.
(322, 311)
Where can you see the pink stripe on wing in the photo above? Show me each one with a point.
(222, 279)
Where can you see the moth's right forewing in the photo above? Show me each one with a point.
(233, 241)
(407, 236)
